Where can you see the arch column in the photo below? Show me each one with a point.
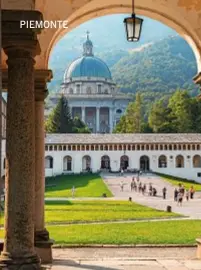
(197, 80)
(41, 235)
(20, 45)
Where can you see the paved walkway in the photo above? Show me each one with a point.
(191, 208)
(125, 259)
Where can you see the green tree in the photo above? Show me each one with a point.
(79, 126)
(196, 114)
(59, 120)
(160, 119)
(181, 113)
(121, 126)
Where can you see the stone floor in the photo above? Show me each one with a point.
(125, 259)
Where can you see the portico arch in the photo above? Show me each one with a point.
(49, 162)
(179, 161)
(86, 163)
(162, 161)
(105, 162)
(144, 163)
(124, 162)
(174, 14)
(197, 161)
(67, 163)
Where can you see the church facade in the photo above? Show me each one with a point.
(173, 154)
(91, 92)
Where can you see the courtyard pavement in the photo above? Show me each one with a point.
(125, 259)
(191, 208)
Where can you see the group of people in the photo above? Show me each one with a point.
(181, 192)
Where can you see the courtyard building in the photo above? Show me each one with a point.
(173, 154)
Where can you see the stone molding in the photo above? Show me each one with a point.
(16, 40)
(42, 76)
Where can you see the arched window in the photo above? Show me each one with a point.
(162, 162)
(197, 161)
(67, 163)
(119, 111)
(86, 163)
(124, 162)
(180, 161)
(48, 162)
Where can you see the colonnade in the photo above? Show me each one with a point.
(26, 240)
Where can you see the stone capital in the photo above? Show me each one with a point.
(17, 39)
(41, 77)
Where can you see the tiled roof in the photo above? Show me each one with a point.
(121, 138)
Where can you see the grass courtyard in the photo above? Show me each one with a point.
(99, 210)
(86, 185)
(160, 232)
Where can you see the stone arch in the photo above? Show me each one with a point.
(144, 163)
(124, 162)
(105, 162)
(172, 14)
(49, 162)
(180, 161)
(86, 163)
(162, 161)
(197, 161)
(67, 163)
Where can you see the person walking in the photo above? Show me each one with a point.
(187, 194)
(180, 198)
(122, 186)
(164, 192)
(192, 192)
(176, 194)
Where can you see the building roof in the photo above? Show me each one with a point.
(121, 138)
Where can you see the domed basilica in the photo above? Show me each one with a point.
(92, 94)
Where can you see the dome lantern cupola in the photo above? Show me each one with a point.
(88, 47)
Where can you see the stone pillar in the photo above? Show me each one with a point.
(42, 242)
(20, 45)
(83, 114)
(111, 119)
(97, 120)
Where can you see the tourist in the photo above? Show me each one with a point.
(140, 187)
(135, 186)
(180, 198)
(164, 192)
(144, 189)
(182, 190)
(138, 178)
(187, 194)
(192, 192)
(176, 194)
(122, 171)
(73, 192)
(122, 186)
(154, 192)
(132, 185)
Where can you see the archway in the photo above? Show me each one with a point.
(124, 162)
(49, 162)
(67, 163)
(105, 162)
(162, 161)
(179, 161)
(197, 161)
(86, 163)
(144, 163)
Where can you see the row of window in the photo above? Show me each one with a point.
(124, 162)
(89, 90)
(120, 147)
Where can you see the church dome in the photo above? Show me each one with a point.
(88, 65)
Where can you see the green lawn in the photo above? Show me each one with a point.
(176, 181)
(86, 185)
(163, 232)
(100, 210)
